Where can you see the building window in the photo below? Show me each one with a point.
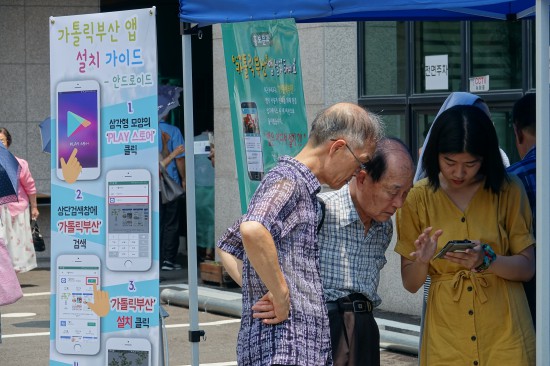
(384, 59)
(502, 119)
(393, 59)
(496, 51)
(437, 39)
(395, 125)
(424, 122)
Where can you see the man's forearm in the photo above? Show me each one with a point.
(261, 251)
(232, 264)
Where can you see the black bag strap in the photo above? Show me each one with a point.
(34, 227)
(323, 209)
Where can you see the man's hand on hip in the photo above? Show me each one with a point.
(272, 310)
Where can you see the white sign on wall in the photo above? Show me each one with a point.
(436, 72)
(479, 83)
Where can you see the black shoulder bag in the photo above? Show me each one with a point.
(37, 239)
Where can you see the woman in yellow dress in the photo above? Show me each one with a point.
(477, 312)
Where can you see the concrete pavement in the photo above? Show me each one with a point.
(398, 332)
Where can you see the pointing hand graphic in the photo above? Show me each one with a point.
(101, 305)
(72, 168)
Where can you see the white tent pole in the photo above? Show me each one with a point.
(187, 64)
(543, 183)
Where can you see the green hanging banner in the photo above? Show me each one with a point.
(266, 96)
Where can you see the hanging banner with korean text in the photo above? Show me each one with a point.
(266, 97)
(104, 189)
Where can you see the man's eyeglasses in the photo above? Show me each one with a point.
(362, 165)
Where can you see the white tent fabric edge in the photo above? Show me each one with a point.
(187, 65)
(543, 182)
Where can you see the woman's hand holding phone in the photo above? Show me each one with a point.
(468, 258)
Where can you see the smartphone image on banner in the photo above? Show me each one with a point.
(128, 220)
(77, 326)
(252, 141)
(128, 352)
(78, 126)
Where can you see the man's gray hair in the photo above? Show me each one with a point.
(346, 121)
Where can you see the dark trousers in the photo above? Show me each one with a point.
(354, 334)
(168, 230)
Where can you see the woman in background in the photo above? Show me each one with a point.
(477, 312)
(16, 219)
(204, 206)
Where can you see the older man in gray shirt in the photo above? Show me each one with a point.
(353, 239)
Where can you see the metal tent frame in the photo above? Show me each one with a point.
(205, 12)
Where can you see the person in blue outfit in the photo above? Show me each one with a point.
(169, 140)
(204, 201)
(272, 250)
(356, 232)
(524, 121)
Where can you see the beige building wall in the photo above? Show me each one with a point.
(25, 84)
(329, 71)
(25, 75)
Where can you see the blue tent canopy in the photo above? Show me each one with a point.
(207, 12)
(204, 12)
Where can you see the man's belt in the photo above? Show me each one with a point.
(358, 303)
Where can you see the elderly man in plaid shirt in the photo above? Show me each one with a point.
(353, 239)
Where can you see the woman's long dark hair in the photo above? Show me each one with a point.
(467, 129)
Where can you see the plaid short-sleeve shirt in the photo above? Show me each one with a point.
(286, 204)
(351, 260)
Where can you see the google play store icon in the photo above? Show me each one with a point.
(75, 122)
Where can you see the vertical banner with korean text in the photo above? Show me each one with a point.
(104, 189)
(266, 97)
